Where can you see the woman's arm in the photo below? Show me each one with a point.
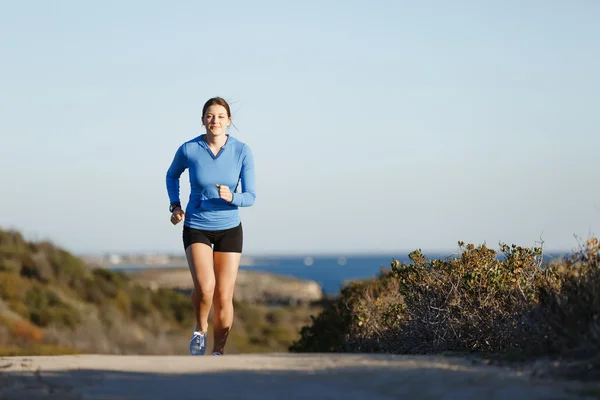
(178, 165)
(247, 179)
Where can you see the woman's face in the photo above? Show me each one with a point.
(216, 120)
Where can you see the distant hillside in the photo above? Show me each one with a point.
(51, 303)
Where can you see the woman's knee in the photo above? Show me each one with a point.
(205, 289)
(223, 297)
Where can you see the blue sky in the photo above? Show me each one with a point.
(377, 126)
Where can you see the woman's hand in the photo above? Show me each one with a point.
(225, 193)
(177, 216)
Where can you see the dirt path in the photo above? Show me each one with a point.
(271, 376)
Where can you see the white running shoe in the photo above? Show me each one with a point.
(216, 353)
(198, 344)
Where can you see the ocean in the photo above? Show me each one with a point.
(331, 272)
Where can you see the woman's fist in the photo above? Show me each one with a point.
(177, 216)
(225, 193)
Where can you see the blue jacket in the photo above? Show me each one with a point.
(232, 166)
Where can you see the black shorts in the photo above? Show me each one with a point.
(226, 240)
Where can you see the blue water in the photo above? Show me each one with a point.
(329, 272)
(332, 272)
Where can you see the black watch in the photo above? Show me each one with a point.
(173, 206)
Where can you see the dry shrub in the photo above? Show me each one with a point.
(477, 301)
(12, 244)
(11, 265)
(377, 315)
(35, 349)
(46, 307)
(4, 335)
(88, 337)
(25, 331)
(12, 286)
(36, 266)
(481, 300)
(570, 295)
(94, 336)
(123, 303)
(330, 329)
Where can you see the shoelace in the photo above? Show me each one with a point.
(199, 339)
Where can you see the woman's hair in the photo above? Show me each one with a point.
(216, 101)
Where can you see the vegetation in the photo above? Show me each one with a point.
(506, 302)
(483, 301)
(52, 303)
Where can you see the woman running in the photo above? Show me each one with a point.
(212, 229)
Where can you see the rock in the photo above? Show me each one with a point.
(256, 287)
(251, 286)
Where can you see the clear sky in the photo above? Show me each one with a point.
(377, 126)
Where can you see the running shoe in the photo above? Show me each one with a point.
(198, 344)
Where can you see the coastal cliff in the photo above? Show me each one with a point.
(251, 286)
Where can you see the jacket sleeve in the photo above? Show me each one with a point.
(248, 180)
(178, 165)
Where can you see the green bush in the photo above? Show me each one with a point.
(89, 291)
(46, 308)
(141, 302)
(107, 282)
(11, 265)
(123, 303)
(329, 331)
(36, 266)
(12, 245)
(174, 305)
(67, 268)
(12, 286)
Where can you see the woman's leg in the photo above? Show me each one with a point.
(226, 268)
(200, 262)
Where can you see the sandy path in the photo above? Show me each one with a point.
(271, 376)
